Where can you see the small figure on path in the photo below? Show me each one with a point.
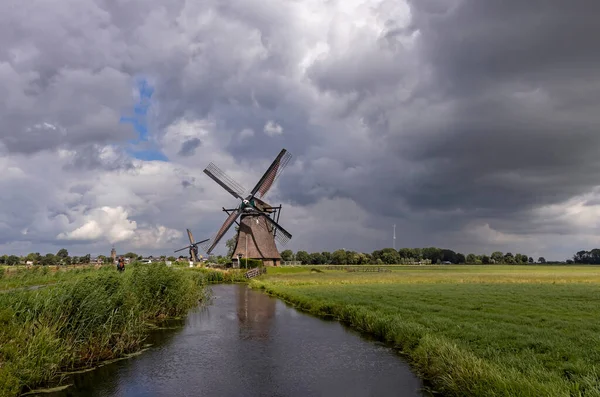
(121, 264)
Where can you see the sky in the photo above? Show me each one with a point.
(470, 125)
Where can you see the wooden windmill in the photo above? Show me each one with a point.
(193, 247)
(258, 224)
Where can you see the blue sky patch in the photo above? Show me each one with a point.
(142, 147)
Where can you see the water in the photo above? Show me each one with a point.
(248, 344)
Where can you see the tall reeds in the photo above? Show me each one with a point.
(96, 316)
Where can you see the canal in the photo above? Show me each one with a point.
(246, 343)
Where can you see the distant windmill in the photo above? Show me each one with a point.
(193, 247)
(257, 229)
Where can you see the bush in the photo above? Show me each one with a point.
(252, 263)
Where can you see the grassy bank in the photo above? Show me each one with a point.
(219, 276)
(21, 277)
(470, 330)
(89, 318)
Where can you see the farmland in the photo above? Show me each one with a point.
(468, 330)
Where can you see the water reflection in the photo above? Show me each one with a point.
(255, 313)
(248, 344)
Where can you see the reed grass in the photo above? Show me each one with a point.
(470, 331)
(95, 316)
(219, 276)
(20, 277)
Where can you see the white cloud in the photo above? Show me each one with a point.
(106, 223)
(272, 128)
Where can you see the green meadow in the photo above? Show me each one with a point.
(468, 330)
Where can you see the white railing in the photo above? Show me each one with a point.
(291, 263)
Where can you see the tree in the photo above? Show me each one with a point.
(460, 258)
(287, 255)
(75, 260)
(62, 253)
(303, 257)
(530, 260)
(49, 260)
(338, 257)
(471, 258)
(497, 257)
(541, 259)
(171, 259)
(230, 244)
(12, 260)
(316, 258)
(131, 255)
(86, 258)
(433, 254)
(486, 260)
(390, 257)
(406, 253)
(326, 257)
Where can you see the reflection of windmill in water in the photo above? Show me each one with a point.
(255, 313)
(193, 247)
(258, 226)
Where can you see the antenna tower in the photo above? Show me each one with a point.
(394, 236)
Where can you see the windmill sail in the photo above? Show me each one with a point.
(226, 225)
(225, 181)
(284, 236)
(273, 172)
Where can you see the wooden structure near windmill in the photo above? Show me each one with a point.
(258, 225)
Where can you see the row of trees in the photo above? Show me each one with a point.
(340, 257)
(404, 256)
(588, 257)
(62, 257)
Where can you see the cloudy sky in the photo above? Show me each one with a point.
(471, 125)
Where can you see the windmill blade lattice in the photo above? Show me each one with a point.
(283, 237)
(273, 172)
(225, 181)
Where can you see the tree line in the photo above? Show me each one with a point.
(430, 255)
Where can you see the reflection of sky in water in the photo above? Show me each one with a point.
(142, 147)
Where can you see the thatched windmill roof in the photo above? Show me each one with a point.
(261, 243)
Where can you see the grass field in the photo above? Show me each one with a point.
(469, 330)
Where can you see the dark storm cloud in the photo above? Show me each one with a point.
(188, 148)
(518, 129)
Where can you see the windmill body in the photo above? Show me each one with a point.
(258, 221)
(255, 241)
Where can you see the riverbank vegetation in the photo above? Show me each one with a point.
(469, 330)
(87, 317)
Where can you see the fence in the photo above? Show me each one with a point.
(359, 269)
(291, 263)
(257, 271)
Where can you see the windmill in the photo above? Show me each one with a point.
(193, 247)
(258, 226)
